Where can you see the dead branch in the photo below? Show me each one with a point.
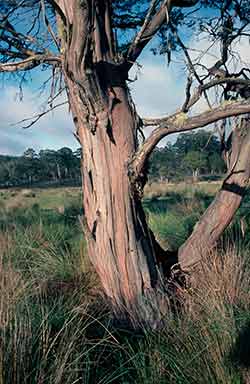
(38, 116)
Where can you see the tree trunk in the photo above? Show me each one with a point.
(119, 243)
(222, 210)
(118, 240)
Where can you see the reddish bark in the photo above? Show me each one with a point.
(222, 210)
(118, 240)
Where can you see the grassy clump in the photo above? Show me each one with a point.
(58, 334)
(56, 328)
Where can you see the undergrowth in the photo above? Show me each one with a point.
(55, 327)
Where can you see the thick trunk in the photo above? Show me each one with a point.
(118, 240)
(120, 245)
(222, 210)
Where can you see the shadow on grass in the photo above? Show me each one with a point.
(240, 354)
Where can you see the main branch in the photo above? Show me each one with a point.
(180, 122)
(150, 28)
(223, 208)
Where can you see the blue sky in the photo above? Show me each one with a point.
(159, 90)
(156, 92)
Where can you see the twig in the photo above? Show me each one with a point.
(38, 116)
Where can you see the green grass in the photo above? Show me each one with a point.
(56, 328)
(51, 198)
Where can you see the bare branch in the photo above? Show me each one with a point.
(180, 122)
(202, 88)
(188, 94)
(144, 26)
(191, 67)
(47, 24)
(153, 27)
(58, 6)
(30, 63)
(34, 119)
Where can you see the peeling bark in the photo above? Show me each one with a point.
(222, 210)
(119, 242)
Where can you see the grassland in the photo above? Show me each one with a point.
(55, 327)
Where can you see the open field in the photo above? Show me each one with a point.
(56, 328)
(51, 198)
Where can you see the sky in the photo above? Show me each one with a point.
(156, 92)
(159, 90)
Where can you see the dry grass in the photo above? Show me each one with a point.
(205, 343)
(52, 198)
(160, 189)
(54, 327)
(224, 278)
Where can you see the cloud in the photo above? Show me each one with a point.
(158, 91)
(54, 130)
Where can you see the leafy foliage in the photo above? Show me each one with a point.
(191, 151)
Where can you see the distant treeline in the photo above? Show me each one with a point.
(192, 154)
(36, 168)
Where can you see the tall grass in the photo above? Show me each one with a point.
(56, 328)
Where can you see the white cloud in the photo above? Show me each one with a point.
(54, 130)
(159, 90)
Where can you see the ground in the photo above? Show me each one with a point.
(56, 328)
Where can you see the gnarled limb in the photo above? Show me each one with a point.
(180, 122)
(29, 63)
(222, 210)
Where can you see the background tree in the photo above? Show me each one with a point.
(196, 162)
(43, 167)
(163, 163)
(86, 43)
(170, 161)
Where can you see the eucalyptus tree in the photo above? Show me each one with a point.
(91, 45)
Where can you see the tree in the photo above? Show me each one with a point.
(162, 162)
(200, 149)
(67, 161)
(84, 41)
(216, 164)
(195, 161)
(50, 160)
(31, 167)
(30, 153)
(202, 141)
